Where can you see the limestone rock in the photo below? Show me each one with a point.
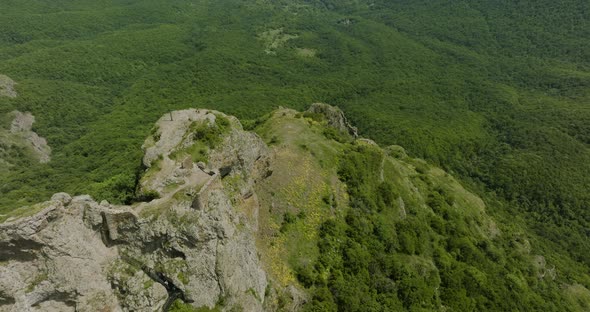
(191, 243)
(64, 198)
(7, 87)
(80, 256)
(173, 134)
(54, 261)
(22, 126)
(335, 118)
(187, 163)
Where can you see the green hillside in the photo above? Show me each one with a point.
(496, 93)
(395, 234)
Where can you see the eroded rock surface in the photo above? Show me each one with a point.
(52, 261)
(7, 87)
(335, 118)
(22, 126)
(79, 255)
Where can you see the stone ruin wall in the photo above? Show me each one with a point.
(202, 198)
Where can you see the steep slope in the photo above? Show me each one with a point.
(370, 229)
(191, 244)
(296, 215)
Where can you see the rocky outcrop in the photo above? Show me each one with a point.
(22, 127)
(7, 87)
(193, 241)
(245, 158)
(78, 255)
(52, 261)
(172, 133)
(335, 118)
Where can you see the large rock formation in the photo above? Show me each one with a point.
(79, 255)
(18, 141)
(335, 118)
(22, 128)
(53, 260)
(7, 87)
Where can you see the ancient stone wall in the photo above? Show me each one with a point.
(202, 197)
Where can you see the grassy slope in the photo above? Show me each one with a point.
(303, 192)
(438, 236)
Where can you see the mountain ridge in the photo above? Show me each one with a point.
(288, 217)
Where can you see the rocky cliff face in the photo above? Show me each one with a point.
(7, 87)
(335, 118)
(21, 129)
(191, 243)
(55, 261)
(19, 136)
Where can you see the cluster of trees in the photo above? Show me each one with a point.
(373, 260)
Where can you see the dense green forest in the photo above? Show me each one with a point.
(495, 92)
(375, 260)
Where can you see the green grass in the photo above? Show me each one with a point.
(302, 178)
(179, 306)
(198, 151)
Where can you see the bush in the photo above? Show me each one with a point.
(314, 116)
